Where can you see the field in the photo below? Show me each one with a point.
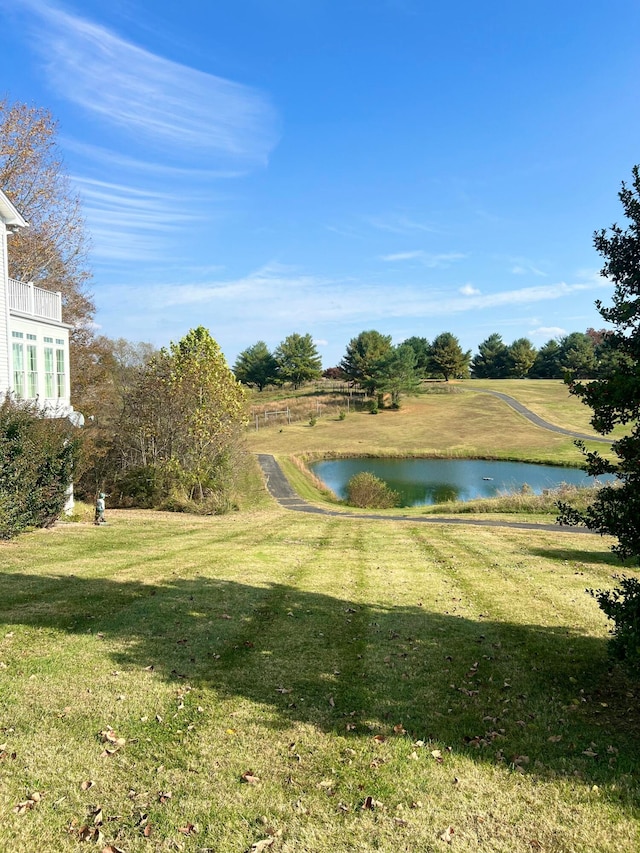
(274, 681)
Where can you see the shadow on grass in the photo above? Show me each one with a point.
(543, 700)
(582, 556)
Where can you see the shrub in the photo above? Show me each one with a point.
(367, 490)
(313, 420)
(342, 415)
(622, 606)
(37, 458)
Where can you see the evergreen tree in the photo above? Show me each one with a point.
(491, 360)
(615, 398)
(448, 358)
(365, 355)
(256, 366)
(547, 363)
(298, 360)
(521, 358)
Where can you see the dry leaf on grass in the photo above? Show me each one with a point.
(188, 829)
(249, 778)
(26, 805)
(447, 835)
(261, 845)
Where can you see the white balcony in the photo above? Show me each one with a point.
(26, 298)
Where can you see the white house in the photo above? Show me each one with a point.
(34, 342)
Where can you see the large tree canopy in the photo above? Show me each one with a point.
(447, 357)
(298, 360)
(615, 397)
(52, 251)
(491, 360)
(256, 366)
(365, 355)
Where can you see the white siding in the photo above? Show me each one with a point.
(4, 315)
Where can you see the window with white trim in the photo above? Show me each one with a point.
(60, 383)
(49, 384)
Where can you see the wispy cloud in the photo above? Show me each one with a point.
(399, 224)
(298, 296)
(469, 290)
(427, 259)
(522, 266)
(167, 106)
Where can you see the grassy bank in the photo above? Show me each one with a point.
(275, 681)
(456, 422)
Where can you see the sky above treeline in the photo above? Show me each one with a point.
(264, 167)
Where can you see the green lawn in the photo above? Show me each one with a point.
(447, 676)
(277, 681)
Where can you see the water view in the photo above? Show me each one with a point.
(433, 481)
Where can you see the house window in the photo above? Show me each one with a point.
(60, 372)
(18, 369)
(32, 370)
(48, 373)
(48, 340)
(32, 337)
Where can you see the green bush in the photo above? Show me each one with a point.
(368, 491)
(37, 458)
(622, 606)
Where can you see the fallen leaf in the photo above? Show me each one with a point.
(263, 844)
(379, 738)
(249, 778)
(400, 729)
(164, 796)
(555, 739)
(89, 783)
(370, 804)
(447, 835)
(111, 848)
(435, 753)
(188, 829)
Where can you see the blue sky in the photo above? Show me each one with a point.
(264, 167)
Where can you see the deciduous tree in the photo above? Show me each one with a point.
(53, 251)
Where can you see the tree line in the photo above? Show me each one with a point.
(380, 367)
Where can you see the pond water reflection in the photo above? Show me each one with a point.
(432, 481)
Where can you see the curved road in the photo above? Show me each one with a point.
(281, 490)
(536, 419)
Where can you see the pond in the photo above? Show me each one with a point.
(433, 481)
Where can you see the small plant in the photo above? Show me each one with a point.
(622, 606)
(313, 420)
(365, 490)
(342, 415)
(373, 407)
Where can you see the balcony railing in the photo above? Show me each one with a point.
(25, 297)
